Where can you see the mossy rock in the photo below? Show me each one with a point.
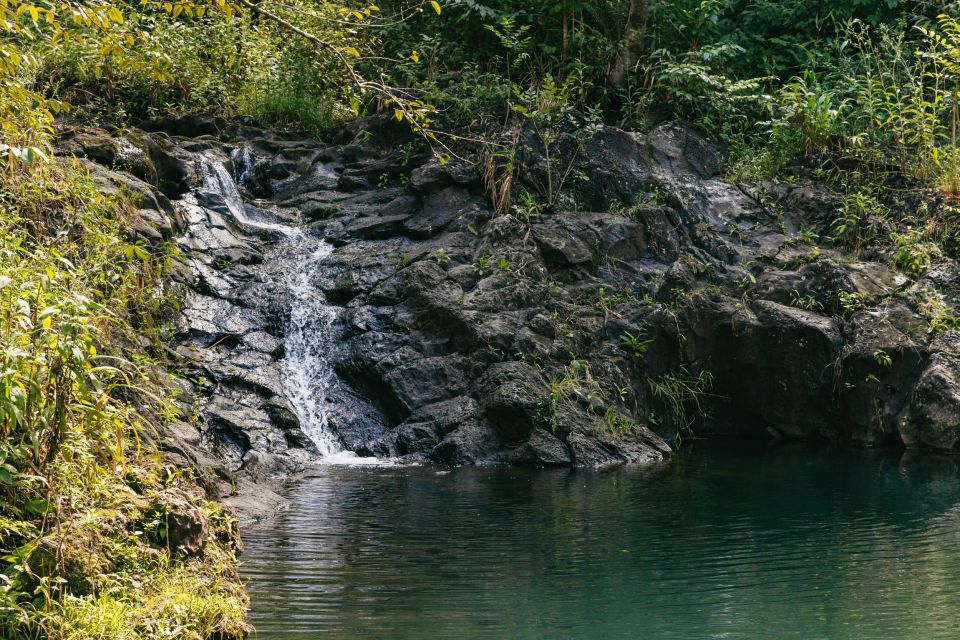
(175, 523)
(74, 559)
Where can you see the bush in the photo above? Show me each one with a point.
(80, 408)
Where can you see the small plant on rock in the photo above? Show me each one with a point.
(681, 392)
(807, 302)
(860, 216)
(851, 302)
(915, 252)
(636, 344)
(483, 266)
(617, 423)
(441, 256)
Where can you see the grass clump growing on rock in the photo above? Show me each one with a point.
(98, 539)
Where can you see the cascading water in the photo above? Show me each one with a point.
(218, 182)
(309, 336)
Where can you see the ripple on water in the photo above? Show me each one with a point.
(790, 543)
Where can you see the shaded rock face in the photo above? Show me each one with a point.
(587, 338)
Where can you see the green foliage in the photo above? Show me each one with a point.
(698, 80)
(549, 108)
(681, 392)
(939, 312)
(617, 423)
(807, 302)
(635, 344)
(850, 302)
(80, 409)
(915, 252)
(860, 219)
(811, 112)
(574, 384)
(882, 358)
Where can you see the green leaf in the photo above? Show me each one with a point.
(37, 506)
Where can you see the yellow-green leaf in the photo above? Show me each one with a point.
(435, 5)
(352, 51)
(398, 114)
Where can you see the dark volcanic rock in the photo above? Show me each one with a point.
(652, 296)
(514, 397)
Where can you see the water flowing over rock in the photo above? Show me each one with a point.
(362, 299)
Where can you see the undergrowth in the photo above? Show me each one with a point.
(81, 406)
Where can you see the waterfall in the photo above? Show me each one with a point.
(219, 192)
(309, 336)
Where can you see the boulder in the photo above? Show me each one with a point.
(514, 398)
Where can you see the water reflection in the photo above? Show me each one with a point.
(723, 543)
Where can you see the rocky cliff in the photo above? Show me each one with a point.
(663, 302)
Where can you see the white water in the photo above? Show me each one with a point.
(308, 374)
(216, 179)
(309, 336)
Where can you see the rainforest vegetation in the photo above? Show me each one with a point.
(867, 88)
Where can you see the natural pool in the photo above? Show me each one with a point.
(724, 542)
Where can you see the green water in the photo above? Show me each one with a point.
(724, 542)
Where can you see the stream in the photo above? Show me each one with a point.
(724, 542)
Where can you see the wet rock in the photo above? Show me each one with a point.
(422, 382)
(376, 227)
(588, 452)
(430, 177)
(471, 443)
(450, 321)
(543, 449)
(681, 151)
(442, 209)
(415, 438)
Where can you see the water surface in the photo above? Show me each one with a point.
(724, 542)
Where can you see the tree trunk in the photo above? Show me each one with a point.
(632, 44)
